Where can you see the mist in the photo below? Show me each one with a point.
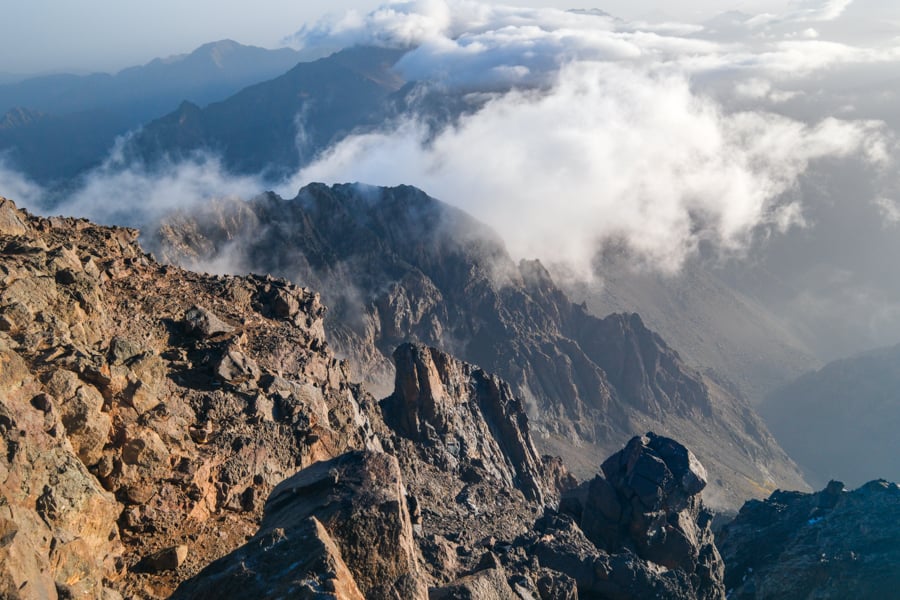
(671, 142)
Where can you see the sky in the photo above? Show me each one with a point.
(780, 125)
(108, 35)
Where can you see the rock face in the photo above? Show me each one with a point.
(464, 419)
(397, 266)
(352, 512)
(831, 544)
(348, 524)
(147, 412)
(649, 504)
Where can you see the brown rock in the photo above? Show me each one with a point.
(236, 368)
(80, 407)
(358, 499)
(202, 323)
(12, 220)
(167, 559)
(488, 584)
(473, 415)
(270, 566)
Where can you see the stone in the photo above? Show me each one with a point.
(167, 559)
(12, 220)
(358, 500)
(270, 566)
(202, 323)
(473, 415)
(80, 408)
(829, 544)
(236, 368)
(487, 584)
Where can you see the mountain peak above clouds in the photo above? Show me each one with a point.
(396, 265)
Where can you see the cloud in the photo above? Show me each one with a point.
(18, 188)
(588, 131)
(822, 11)
(889, 210)
(607, 153)
(138, 196)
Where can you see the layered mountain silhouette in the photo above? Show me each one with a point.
(395, 265)
(82, 114)
(276, 126)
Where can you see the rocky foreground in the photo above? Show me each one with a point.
(170, 434)
(831, 544)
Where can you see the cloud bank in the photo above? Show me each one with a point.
(585, 130)
(601, 131)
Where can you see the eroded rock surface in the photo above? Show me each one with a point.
(831, 544)
(341, 527)
(147, 412)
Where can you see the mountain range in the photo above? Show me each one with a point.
(73, 120)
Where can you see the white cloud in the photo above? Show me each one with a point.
(137, 196)
(889, 210)
(606, 153)
(18, 188)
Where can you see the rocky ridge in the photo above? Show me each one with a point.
(398, 266)
(830, 544)
(165, 429)
(147, 410)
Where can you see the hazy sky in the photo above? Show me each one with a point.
(106, 35)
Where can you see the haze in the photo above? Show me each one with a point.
(108, 35)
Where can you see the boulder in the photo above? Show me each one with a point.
(487, 584)
(270, 566)
(80, 407)
(202, 323)
(358, 500)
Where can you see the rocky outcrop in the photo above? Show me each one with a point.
(831, 544)
(58, 533)
(396, 266)
(147, 412)
(644, 515)
(350, 526)
(464, 420)
(340, 527)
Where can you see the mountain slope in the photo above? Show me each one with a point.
(270, 126)
(151, 419)
(712, 324)
(86, 113)
(396, 265)
(841, 422)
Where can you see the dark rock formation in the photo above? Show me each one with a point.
(831, 544)
(645, 511)
(348, 523)
(397, 266)
(465, 420)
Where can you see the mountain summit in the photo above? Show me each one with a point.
(396, 265)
